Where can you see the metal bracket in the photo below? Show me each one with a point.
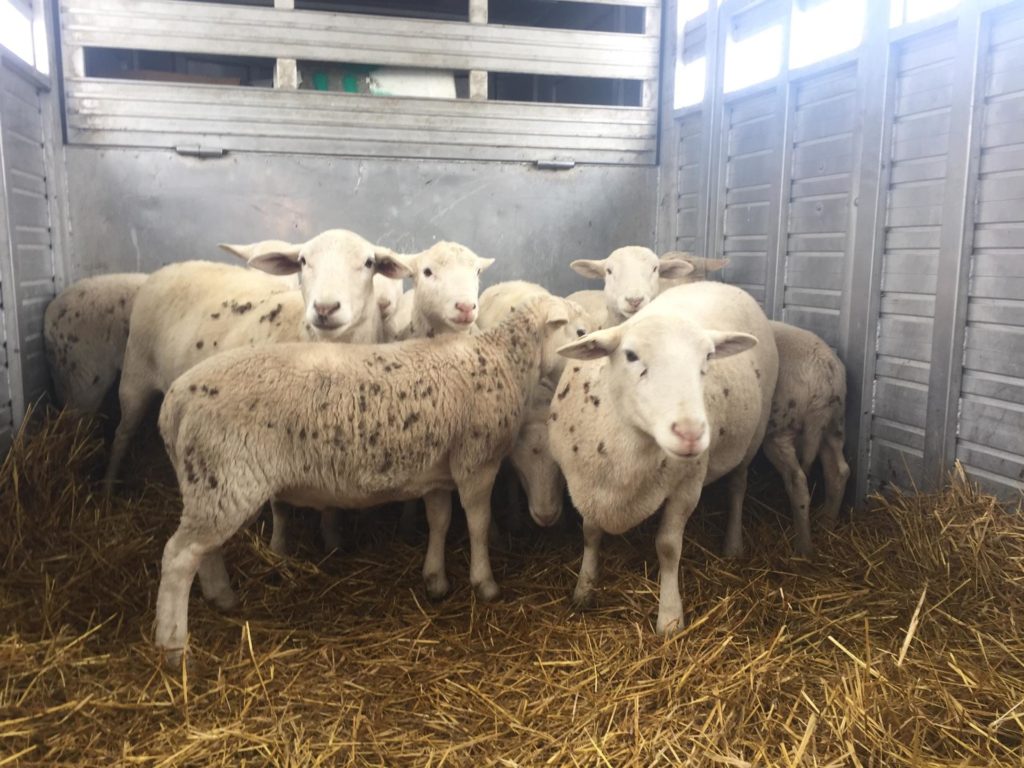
(555, 165)
(195, 150)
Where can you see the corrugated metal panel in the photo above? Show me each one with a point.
(691, 151)
(751, 145)
(165, 25)
(820, 183)
(919, 145)
(28, 275)
(121, 113)
(990, 434)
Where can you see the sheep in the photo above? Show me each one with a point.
(633, 276)
(345, 425)
(445, 293)
(444, 299)
(188, 311)
(661, 406)
(807, 422)
(388, 293)
(531, 456)
(85, 330)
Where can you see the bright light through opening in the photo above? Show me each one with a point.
(909, 11)
(690, 81)
(825, 30)
(754, 59)
(691, 9)
(16, 31)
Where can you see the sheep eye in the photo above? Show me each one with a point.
(653, 270)
(302, 261)
(428, 272)
(580, 332)
(631, 356)
(608, 271)
(368, 264)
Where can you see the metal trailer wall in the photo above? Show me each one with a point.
(877, 199)
(28, 206)
(286, 163)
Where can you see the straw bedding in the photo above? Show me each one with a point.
(901, 645)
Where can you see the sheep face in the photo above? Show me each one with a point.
(630, 277)
(447, 285)
(579, 324)
(335, 271)
(388, 292)
(656, 366)
(538, 472)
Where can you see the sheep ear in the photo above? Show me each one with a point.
(592, 268)
(728, 344)
(483, 263)
(274, 256)
(701, 266)
(674, 268)
(593, 345)
(389, 264)
(558, 312)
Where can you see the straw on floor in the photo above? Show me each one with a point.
(900, 645)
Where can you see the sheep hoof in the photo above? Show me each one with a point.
(669, 624)
(437, 586)
(226, 601)
(172, 660)
(806, 551)
(733, 550)
(584, 601)
(487, 591)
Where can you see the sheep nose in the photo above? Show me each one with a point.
(326, 310)
(688, 430)
(635, 301)
(464, 307)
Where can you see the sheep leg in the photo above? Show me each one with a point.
(837, 472)
(734, 526)
(439, 517)
(669, 543)
(329, 529)
(214, 581)
(583, 595)
(781, 452)
(134, 400)
(475, 492)
(279, 530)
(182, 557)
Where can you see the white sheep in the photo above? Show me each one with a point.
(633, 276)
(806, 423)
(388, 292)
(187, 311)
(445, 292)
(661, 406)
(343, 425)
(444, 299)
(85, 330)
(531, 457)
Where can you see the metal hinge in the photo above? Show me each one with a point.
(195, 150)
(555, 165)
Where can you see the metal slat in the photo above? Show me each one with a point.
(161, 25)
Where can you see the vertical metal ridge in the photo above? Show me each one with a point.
(955, 246)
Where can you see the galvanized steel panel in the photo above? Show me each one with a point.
(990, 427)
(690, 157)
(212, 28)
(27, 272)
(533, 222)
(116, 113)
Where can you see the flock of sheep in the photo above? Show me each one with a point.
(635, 397)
